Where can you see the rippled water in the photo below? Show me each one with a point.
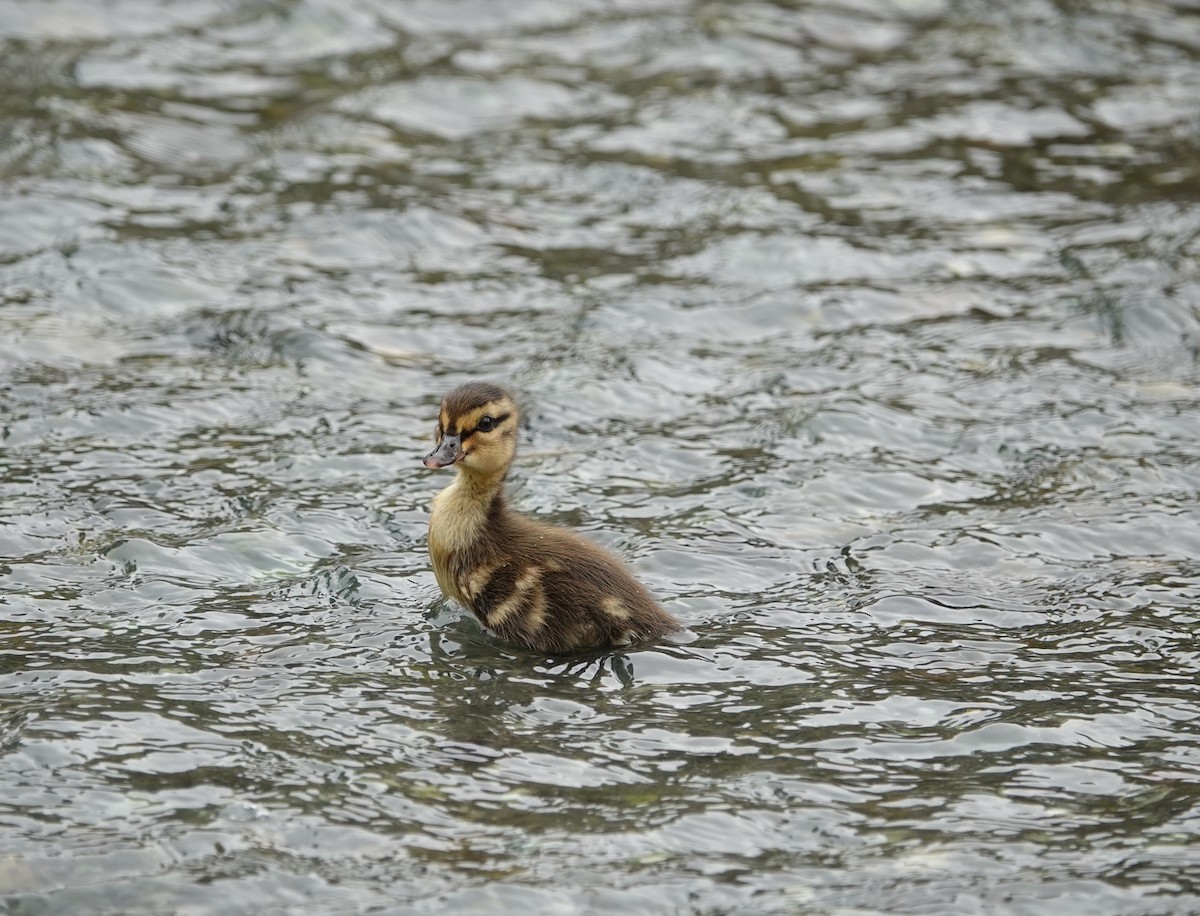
(868, 331)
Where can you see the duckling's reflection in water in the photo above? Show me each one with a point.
(597, 666)
(535, 585)
(466, 641)
(594, 670)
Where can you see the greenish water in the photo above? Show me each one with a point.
(868, 332)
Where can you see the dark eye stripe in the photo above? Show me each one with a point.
(496, 421)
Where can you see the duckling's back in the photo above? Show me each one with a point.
(549, 589)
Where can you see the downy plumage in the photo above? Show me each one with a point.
(533, 584)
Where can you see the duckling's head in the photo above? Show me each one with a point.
(477, 429)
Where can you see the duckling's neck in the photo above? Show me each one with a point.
(461, 511)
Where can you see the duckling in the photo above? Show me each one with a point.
(533, 584)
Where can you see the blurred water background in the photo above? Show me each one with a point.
(867, 330)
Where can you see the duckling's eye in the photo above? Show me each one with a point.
(485, 425)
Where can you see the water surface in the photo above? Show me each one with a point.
(869, 333)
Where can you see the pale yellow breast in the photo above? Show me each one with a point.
(455, 522)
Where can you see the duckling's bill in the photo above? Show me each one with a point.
(448, 451)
